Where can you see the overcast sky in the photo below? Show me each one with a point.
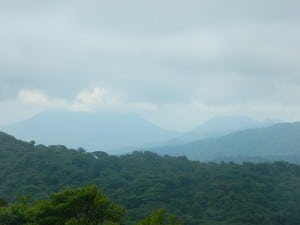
(174, 62)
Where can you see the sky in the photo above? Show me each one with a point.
(176, 63)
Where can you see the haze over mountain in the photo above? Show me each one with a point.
(277, 142)
(219, 126)
(93, 131)
(118, 132)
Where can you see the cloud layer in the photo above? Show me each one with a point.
(166, 60)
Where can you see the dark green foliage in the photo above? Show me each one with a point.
(3, 202)
(159, 217)
(84, 206)
(77, 206)
(198, 193)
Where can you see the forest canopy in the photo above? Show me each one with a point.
(77, 206)
(197, 193)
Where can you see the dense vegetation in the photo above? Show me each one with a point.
(80, 206)
(277, 142)
(198, 193)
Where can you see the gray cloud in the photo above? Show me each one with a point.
(223, 54)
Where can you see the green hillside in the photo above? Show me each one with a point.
(277, 142)
(198, 193)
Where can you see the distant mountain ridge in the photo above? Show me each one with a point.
(280, 141)
(220, 126)
(105, 131)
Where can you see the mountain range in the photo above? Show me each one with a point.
(220, 126)
(277, 142)
(118, 133)
(112, 132)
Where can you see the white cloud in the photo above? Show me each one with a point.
(95, 99)
(33, 97)
(92, 97)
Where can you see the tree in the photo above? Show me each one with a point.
(3, 202)
(76, 206)
(159, 217)
(84, 206)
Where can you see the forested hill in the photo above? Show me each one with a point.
(198, 193)
(277, 142)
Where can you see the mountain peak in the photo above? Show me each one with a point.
(222, 125)
(278, 142)
(91, 130)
